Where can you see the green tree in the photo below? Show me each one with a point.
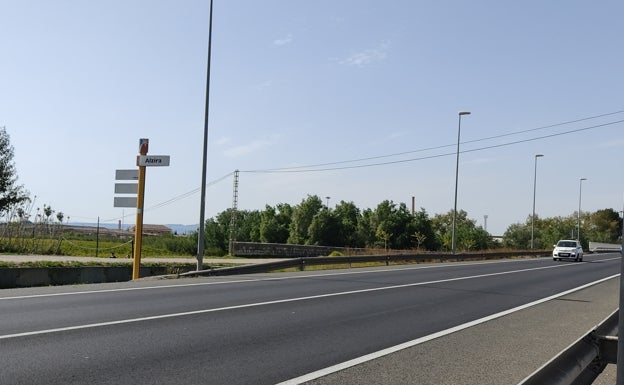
(422, 225)
(365, 231)
(518, 236)
(275, 223)
(348, 216)
(324, 230)
(603, 226)
(302, 219)
(11, 194)
(395, 221)
(248, 225)
(47, 212)
(467, 235)
(556, 228)
(384, 236)
(419, 239)
(216, 238)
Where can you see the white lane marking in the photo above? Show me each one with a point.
(418, 341)
(249, 305)
(456, 264)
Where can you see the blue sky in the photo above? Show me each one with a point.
(301, 83)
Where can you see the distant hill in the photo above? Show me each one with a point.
(176, 228)
(183, 229)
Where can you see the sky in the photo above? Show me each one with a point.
(355, 100)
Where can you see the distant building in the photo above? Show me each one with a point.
(153, 229)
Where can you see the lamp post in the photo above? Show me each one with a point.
(460, 114)
(578, 225)
(327, 202)
(202, 203)
(620, 350)
(534, 188)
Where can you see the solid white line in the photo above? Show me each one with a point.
(204, 311)
(418, 341)
(455, 264)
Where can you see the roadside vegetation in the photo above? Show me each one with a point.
(26, 228)
(392, 226)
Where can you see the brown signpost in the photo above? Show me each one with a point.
(138, 189)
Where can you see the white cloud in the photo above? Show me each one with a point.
(223, 141)
(264, 85)
(245, 149)
(366, 57)
(396, 135)
(283, 41)
(612, 143)
(479, 161)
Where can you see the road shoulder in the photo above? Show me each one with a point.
(500, 351)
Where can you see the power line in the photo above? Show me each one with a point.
(312, 168)
(305, 168)
(431, 156)
(176, 198)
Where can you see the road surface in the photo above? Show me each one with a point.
(296, 327)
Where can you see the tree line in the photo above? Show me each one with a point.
(393, 226)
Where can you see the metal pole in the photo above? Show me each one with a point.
(202, 208)
(578, 225)
(97, 238)
(456, 180)
(620, 344)
(138, 226)
(534, 188)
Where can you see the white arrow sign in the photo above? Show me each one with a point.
(127, 174)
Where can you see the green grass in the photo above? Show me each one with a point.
(161, 246)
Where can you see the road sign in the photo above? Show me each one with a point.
(126, 188)
(143, 146)
(127, 174)
(153, 160)
(125, 202)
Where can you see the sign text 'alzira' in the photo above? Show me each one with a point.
(153, 160)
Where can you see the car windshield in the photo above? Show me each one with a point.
(566, 244)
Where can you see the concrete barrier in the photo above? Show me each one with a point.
(12, 277)
(597, 247)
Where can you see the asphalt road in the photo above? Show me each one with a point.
(272, 328)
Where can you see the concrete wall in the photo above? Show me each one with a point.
(36, 276)
(253, 249)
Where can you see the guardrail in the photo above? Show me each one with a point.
(584, 360)
(597, 247)
(301, 263)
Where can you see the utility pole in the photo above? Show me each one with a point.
(233, 217)
(202, 204)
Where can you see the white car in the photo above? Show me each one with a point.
(568, 249)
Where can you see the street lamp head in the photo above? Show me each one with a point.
(539, 155)
(460, 113)
(583, 179)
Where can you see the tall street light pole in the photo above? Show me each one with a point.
(534, 188)
(202, 205)
(620, 350)
(578, 225)
(460, 114)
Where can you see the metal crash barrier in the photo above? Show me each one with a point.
(583, 361)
